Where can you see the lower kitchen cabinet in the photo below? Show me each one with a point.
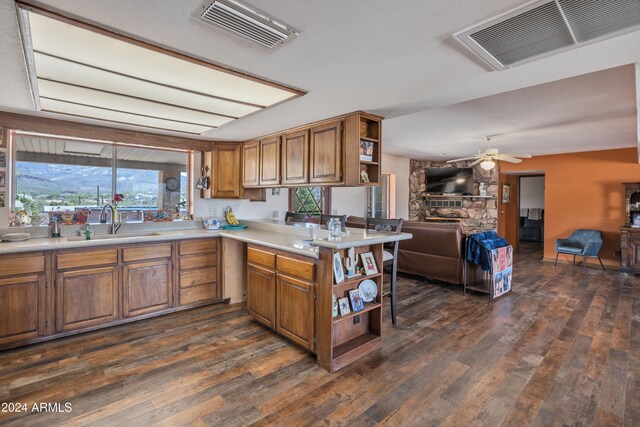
(146, 287)
(86, 298)
(22, 307)
(281, 293)
(261, 294)
(295, 310)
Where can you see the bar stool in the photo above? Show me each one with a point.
(389, 254)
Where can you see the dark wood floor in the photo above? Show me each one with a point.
(562, 349)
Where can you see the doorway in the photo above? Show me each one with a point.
(531, 213)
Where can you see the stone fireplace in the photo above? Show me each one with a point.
(475, 214)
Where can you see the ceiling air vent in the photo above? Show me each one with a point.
(543, 28)
(246, 22)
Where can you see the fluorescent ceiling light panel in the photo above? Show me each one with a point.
(89, 73)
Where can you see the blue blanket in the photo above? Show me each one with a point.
(479, 246)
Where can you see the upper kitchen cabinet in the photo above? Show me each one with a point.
(224, 166)
(325, 153)
(295, 157)
(251, 164)
(270, 161)
(363, 149)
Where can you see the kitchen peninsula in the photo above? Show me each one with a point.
(59, 287)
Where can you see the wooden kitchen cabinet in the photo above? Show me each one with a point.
(295, 310)
(86, 297)
(22, 306)
(198, 277)
(295, 157)
(325, 153)
(224, 162)
(270, 161)
(280, 293)
(251, 164)
(261, 294)
(146, 287)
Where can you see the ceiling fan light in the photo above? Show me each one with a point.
(488, 164)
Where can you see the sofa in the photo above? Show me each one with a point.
(436, 250)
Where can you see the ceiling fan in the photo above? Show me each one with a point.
(488, 157)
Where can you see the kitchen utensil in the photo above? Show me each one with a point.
(369, 290)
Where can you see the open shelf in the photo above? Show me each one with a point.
(357, 280)
(368, 306)
(369, 139)
(353, 349)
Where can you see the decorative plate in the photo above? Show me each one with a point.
(368, 290)
(15, 237)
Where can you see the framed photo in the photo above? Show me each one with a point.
(3, 159)
(3, 179)
(335, 306)
(3, 196)
(366, 150)
(343, 303)
(364, 176)
(3, 139)
(369, 263)
(338, 272)
(356, 300)
(636, 219)
(506, 194)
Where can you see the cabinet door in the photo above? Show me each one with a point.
(250, 164)
(270, 161)
(326, 153)
(22, 308)
(225, 178)
(295, 310)
(146, 287)
(261, 294)
(86, 298)
(295, 157)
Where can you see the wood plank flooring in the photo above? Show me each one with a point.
(562, 349)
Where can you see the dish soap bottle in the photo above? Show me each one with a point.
(87, 231)
(55, 229)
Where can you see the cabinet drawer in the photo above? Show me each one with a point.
(86, 258)
(200, 293)
(198, 276)
(139, 253)
(25, 264)
(198, 261)
(260, 257)
(296, 268)
(198, 246)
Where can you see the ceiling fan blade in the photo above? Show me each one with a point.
(465, 158)
(477, 161)
(509, 159)
(522, 156)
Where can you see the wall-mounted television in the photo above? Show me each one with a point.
(450, 180)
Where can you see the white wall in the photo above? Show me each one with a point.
(349, 200)
(400, 167)
(532, 192)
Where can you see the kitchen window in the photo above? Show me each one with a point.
(312, 201)
(58, 174)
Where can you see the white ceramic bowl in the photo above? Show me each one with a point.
(211, 223)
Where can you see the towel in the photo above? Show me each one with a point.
(524, 212)
(535, 214)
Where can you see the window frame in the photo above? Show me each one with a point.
(11, 181)
(326, 199)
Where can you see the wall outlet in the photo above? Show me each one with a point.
(356, 319)
(335, 211)
(275, 214)
(215, 212)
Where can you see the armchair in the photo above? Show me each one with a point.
(584, 243)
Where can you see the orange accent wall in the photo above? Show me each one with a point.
(508, 214)
(583, 190)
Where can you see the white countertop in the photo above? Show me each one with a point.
(265, 233)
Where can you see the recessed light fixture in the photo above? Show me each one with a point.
(88, 72)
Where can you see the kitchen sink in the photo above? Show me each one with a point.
(113, 236)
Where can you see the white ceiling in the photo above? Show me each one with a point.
(386, 57)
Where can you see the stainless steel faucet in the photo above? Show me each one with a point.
(115, 226)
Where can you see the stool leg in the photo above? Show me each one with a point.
(393, 291)
(555, 264)
(601, 264)
(574, 260)
(584, 263)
